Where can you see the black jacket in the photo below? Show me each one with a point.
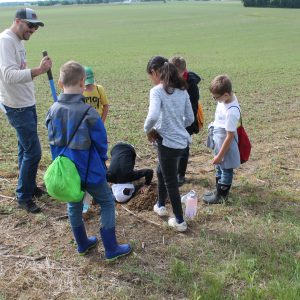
(193, 91)
(121, 168)
(122, 162)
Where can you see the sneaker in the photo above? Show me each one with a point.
(181, 180)
(29, 206)
(161, 211)
(38, 192)
(181, 227)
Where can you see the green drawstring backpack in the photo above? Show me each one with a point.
(62, 180)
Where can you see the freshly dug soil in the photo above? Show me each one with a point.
(144, 201)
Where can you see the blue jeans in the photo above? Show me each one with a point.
(225, 175)
(102, 194)
(24, 120)
(167, 177)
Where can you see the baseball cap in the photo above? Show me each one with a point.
(89, 76)
(29, 15)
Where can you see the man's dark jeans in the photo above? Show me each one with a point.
(167, 177)
(24, 120)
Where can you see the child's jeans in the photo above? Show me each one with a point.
(225, 175)
(102, 194)
(167, 177)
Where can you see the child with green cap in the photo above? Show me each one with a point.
(95, 95)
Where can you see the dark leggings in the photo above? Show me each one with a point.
(183, 161)
(167, 177)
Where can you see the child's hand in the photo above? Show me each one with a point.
(152, 136)
(217, 160)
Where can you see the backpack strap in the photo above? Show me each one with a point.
(88, 166)
(239, 111)
(240, 118)
(84, 114)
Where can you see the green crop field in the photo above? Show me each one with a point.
(246, 249)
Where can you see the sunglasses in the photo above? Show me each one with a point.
(31, 25)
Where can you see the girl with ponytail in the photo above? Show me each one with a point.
(170, 112)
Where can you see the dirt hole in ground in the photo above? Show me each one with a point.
(144, 201)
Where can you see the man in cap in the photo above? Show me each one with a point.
(18, 100)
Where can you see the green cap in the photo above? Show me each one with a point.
(89, 76)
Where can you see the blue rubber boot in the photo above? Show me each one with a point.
(84, 244)
(112, 249)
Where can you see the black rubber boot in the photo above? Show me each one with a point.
(208, 195)
(220, 196)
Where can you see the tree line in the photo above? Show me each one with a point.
(70, 2)
(272, 3)
(246, 3)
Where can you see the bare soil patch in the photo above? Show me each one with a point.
(144, 200)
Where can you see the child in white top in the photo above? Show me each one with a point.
(225, 138)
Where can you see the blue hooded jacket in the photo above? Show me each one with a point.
(90, 139)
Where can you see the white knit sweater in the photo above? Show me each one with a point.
(169, 115)
(16, 84)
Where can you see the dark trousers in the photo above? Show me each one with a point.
(132, 176)
(167, 177)
(183, 161)
(136, 175)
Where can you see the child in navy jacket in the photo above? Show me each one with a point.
(87, 150)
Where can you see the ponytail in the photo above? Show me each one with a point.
(169, 75)
(170, 78)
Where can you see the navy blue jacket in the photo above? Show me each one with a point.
(90, 139)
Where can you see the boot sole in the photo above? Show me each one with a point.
(220, 201)
(116, 257)
(88, 249)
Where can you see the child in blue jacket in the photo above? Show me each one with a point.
(87, 150)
